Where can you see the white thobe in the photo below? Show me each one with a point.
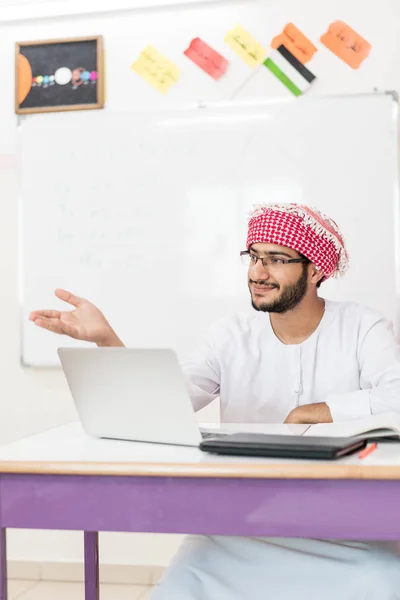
(352, 363)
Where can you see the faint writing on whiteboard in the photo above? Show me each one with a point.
(156, 69)
(245, 46)
(108, 234)
(123, 260)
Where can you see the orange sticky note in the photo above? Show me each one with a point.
(296, 42)
(346, 43)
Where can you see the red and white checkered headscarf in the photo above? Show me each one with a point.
(304, 229)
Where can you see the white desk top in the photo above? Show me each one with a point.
(68, 450)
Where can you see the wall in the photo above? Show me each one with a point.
(34, 400)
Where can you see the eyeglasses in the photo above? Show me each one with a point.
(250, 260)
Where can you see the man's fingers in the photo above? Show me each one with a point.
(49, 325)
(48, 314)
(55, 326)
(68, 297)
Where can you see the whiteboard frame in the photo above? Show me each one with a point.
(207, 106)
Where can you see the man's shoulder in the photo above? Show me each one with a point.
(354, 313)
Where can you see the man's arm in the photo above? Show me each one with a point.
(310, 413)
(379, 361)
(202, 375)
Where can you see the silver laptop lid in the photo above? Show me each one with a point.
(131, 394)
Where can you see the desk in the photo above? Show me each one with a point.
(62, 479)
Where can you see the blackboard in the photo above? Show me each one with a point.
(59, 75)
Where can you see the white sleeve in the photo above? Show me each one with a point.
(379, 362)
(202, 375)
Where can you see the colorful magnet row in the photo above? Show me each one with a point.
(63, 76)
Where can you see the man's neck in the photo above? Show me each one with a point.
(295, 326)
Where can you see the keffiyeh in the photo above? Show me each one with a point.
(304, 229)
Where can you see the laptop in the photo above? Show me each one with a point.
(131, 394)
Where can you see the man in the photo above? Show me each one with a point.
(297, 358)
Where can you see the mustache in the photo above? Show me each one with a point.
(263, 282)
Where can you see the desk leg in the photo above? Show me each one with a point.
(91, 565)
(3, 564)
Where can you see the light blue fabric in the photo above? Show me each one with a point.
(232, 568)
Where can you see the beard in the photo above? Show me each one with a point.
(290, 297)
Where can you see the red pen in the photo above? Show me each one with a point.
(368, 450)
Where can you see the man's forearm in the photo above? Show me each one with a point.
(310, 414)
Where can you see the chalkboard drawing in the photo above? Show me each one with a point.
(245, 46)
(156, 69)
(296, 42)
(346, 43)
(57, 75)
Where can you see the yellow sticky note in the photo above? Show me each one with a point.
(156, 69)
(246, 46)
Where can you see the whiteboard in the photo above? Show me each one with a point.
(145, 214)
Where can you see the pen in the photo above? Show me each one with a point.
(368, 450)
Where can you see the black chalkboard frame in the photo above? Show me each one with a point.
(98, 104)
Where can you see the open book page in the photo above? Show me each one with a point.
(273, 428)
(386, 424)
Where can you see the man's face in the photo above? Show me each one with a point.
(278, 287)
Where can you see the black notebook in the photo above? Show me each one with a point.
(283, 446)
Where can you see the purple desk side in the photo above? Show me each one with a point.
(337, 509)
